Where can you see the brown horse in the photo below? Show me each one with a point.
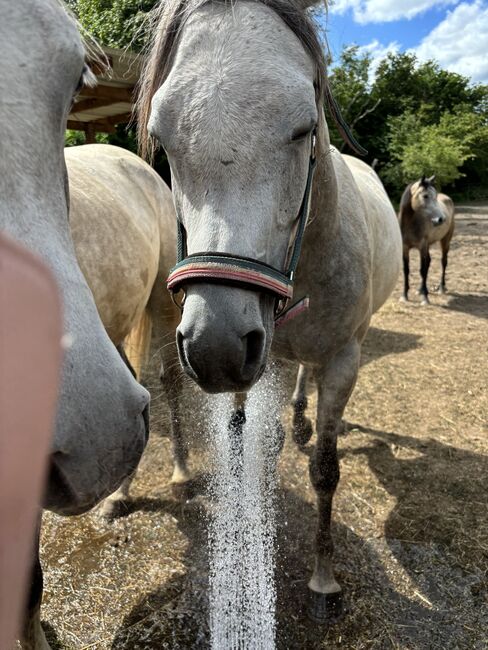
(425, 217)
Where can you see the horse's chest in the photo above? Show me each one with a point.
(415, 230)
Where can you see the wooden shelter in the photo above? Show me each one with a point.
(110, 102)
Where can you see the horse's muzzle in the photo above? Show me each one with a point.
(220, 366)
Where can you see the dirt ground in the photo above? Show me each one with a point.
(410, 513)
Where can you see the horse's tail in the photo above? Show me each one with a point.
(138, 342)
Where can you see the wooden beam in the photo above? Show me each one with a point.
(110, 92)
(84, 126)
(90, 104)
(122, 118)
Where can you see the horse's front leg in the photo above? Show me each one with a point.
(33, 637)
(115, 503)
(335, 383)
(302, 426)
(424, 270)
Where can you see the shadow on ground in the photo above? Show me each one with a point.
(473, 304)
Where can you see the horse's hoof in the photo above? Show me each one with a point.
(425, 301)
(325, 609)
(182, 491)
(237, 421)
(302, 431)
(112, 509)
(403, 299)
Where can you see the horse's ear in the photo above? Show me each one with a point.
(431, 179)
(422, 180)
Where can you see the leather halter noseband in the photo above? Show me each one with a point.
(225, 268)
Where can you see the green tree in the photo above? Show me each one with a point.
(434, 153)
(349, 82)
(116, 23)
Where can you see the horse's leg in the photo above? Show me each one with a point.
(406, 271)
(302, 426)
(335, 383)
(33, 637)
(445, 244)
(111, 504)
(424, 270)
(172, 382)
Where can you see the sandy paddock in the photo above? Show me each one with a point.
(411, 515)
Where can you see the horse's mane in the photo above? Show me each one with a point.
(167, 20)
(406, 200)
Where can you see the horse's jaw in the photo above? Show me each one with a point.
(224, 337)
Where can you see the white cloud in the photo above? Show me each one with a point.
(460, 42)
(382, 11)
(377, 52)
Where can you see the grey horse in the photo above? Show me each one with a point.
(234, 93)
(101, 428)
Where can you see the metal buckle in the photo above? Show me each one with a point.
(180, 304)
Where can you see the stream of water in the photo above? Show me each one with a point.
(242, 528)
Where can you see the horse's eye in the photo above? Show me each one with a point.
(81, 80)
(302, 132)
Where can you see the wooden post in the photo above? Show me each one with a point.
(90, 133)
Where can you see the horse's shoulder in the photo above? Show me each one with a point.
(447, 202)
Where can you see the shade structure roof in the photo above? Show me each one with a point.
(110, 102)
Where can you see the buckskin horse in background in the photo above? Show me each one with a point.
(234, 92)
(102, 416)
(426, 217)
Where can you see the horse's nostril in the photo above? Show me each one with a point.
(253, 343)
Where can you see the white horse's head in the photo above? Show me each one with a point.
(235, 90)
(101, 429)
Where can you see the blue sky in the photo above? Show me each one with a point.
(454, 32)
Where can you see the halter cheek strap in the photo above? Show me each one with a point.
(224, 268)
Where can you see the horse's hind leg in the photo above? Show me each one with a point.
(302, 426)
(424, 270)
(33, 637)
(111, 505)
(406, 272)
(335, 384)
(172, 381)
(445, 244)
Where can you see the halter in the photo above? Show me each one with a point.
(224, 268)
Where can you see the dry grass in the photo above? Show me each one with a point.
(411, 520)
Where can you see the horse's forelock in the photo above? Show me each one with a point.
(166, 22)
